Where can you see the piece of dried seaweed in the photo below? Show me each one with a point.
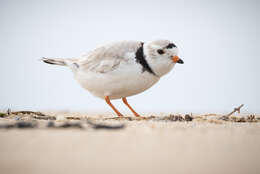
(44, 117)
(173, 118)
(51, 124)
(28, 113)
(73, 118)
(251, 118)
(19, 124)
(188, 117)
(2, 115)
(104, 126)
(71, 125)
(35, 115)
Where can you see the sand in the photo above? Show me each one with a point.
(203, 145)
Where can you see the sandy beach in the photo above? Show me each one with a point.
(159, 144)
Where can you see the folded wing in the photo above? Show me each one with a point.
(108, 57)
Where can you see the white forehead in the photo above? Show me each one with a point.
(161, 43)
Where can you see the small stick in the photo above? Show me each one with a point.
(235, 110)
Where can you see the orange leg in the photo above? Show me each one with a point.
(126, 103)
(112, 106)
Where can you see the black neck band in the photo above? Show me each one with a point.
(140, 58)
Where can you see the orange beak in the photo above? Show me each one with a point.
(176, 59)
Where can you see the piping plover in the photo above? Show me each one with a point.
(122, 69)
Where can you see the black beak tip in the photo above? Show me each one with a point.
(180, 61)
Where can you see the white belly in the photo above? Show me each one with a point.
(122, 82)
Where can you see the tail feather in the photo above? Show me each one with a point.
(54, 61)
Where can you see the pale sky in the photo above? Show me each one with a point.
(218, 41)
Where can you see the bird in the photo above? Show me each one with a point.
(121, 69)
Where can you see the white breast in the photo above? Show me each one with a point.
(126, 80)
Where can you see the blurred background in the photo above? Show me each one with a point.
(218, 41)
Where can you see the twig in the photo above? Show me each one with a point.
(235, 110)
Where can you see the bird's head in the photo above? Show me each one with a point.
(161, 55)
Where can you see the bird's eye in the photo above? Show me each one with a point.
(160, 51)
(171, 45)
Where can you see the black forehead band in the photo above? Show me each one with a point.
(171, 45)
